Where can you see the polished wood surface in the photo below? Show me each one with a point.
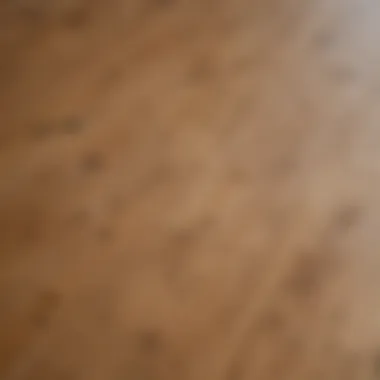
(190, 190)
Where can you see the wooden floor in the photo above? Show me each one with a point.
(190, 190)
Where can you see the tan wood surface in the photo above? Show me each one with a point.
(190, 190)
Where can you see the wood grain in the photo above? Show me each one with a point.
(189, 190)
